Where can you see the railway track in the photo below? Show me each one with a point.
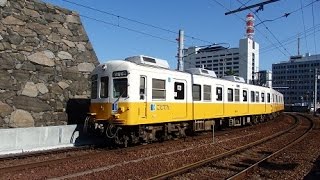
(244, 158)
(26, 167)
(95, 153)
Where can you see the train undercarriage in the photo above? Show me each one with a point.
(148, 133)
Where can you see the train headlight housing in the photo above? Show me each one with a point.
(121, 109)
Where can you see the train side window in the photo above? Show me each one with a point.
(207, 92)
(273, 100)
(94, 86)
(196, 92)
(158, 89)
(252, 96)
(245, 96)
(230, 94)
(178, 90)
(142, 88)
(257, 96)
(104, 83)
(268, 97)
(262, 97)
(219, 93)
(236, 95)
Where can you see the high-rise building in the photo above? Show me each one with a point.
(242, 61)
(295, 78)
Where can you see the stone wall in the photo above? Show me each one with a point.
(45, 60)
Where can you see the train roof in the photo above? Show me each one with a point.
(148, 61)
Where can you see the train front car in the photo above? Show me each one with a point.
(120, 104)
(110, 106)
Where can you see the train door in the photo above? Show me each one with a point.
(263, 99)
(245, 100)
(180, 99)
(143, 97)
(219, 110)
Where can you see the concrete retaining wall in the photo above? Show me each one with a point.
(20, 140)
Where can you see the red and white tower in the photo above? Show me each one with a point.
(250, 26)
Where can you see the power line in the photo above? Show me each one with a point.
(289, 13)
(291, 39)
(244, 7)
(256, 29)
(135, 21)
(129, 29)
(268, 30)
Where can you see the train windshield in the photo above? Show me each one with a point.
(120, 87)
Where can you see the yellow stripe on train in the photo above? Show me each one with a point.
(147, 113)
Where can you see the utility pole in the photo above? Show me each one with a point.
(298, 46)
(315, 90)
(180, 50)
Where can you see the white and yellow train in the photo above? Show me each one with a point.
(141, 99)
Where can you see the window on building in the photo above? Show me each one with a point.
(178, 90)
(207, 92)
(252, 96)
(245, 95)
(196, 92)
(253, 45)
(219, 93)
(236, 95)
(104, 84)
(230, 94)
(158, 89)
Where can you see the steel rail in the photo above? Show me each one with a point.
(198, 164)
(245, 172)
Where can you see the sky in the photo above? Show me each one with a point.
(122, 28)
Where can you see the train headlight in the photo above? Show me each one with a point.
(121, 109)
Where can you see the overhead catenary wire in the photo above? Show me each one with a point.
(135, 21)
(268, 30)
(294, 37)
(223, 6)
(304, 32)
(290, 39)
(129, 29)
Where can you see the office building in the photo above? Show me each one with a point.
(242, 61)
(295, 78)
